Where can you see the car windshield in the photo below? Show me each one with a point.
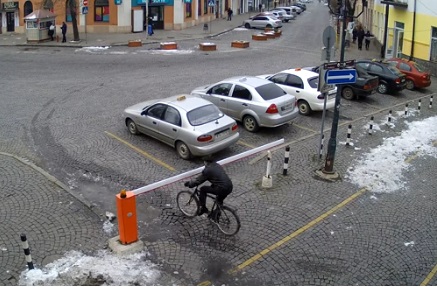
(270, 91)
(203, 115)
(314, 82)
(419, 68)
(394, 70)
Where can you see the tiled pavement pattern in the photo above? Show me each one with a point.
(362, 243)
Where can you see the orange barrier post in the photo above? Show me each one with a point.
(127, 217)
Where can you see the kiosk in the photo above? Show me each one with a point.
(37, 25)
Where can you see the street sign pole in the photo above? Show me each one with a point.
(332, 144)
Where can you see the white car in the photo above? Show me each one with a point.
(303, 85)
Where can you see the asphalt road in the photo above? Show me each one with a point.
(62, 109)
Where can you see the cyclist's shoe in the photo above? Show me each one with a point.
(202, 210)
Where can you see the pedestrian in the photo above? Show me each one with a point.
(51, 30)
(354, 35)
(230, 12)
(260, 6)
(360, 37)
(64, 31)
(367, 38)
(150, 27)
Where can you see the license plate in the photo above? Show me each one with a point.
(287, 107)
(222, 134)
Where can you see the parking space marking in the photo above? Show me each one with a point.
(412, 157)
(304, 128)
(205, 283)
(304, 228)
(240, 142)
(140, 151)
(430, 276)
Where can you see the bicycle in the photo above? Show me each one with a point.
(223, 216)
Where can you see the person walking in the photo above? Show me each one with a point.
(367, 38)
(51, 31)
(260, 6)
(230, 12)
(354, 34)
(64, 31)
(360, 37)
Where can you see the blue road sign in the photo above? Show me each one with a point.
(346, 76)
(85, 10)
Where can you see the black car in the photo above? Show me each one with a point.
(364, 86)
(391, 80)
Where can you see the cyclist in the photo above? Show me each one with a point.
(221, 184)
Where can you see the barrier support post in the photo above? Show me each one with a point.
(127, 217)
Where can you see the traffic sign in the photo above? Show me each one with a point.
(85, 2)
(347, 76)
(329, 37)
(337, 65)
(85, 10)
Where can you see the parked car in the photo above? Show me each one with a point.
(417, 77)
(282, 14)
(303, 85)
(297, 8)
(262, 21)
(273, 14)
(254, 101)
(194, 126)
(301, 5)
(290, 11)
(391, 80)
(364, 86)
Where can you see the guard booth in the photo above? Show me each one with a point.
(37, 25)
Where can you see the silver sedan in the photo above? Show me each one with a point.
(194, 126)
(254, 101)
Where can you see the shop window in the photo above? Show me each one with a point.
(28, 8)
(101, 11)
(433, 56)
(188, 7)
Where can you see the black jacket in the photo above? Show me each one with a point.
(214, 173)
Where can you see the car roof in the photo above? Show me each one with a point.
(248, 81)
(184, 101)
(303, 73)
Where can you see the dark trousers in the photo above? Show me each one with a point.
(63, 38)
(367, 44)
(360, 44)
(51, 33)
(219, 192)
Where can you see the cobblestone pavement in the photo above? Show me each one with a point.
(365, 241)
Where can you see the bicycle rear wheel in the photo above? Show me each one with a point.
(187, 203)
(227, 220)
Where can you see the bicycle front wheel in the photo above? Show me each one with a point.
(227, 221)
(187, 203)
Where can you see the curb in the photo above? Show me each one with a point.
(54, 180)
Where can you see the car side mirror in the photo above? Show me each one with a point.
(143, 113)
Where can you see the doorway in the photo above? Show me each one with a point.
(157, 15)
(398, 39)
(10, 21)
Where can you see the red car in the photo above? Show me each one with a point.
(416, 76)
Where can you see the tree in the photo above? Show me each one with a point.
(72, 4)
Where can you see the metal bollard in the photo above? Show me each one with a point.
(26, 251)
(267, 180)
(430, 102)
(321, 147)
(269, 164)
(349, 131)
(419, 104)
(389, 116)
(406, 110)
(371, 126)
(286, 158)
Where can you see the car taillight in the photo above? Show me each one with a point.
(320, 97)
(366, 87)
(398, 81)
(204, 138)
(425, 76)
(272, 109)
(234, 127)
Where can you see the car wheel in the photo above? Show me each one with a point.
(183, 150)
(382, 88)
(247, 26)
(409, 85)
(132, 127)
(250, 124)
(348, 93)
(304, 107)
(269, 26)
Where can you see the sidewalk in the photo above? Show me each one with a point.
(215, 27)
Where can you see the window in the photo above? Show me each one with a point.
(101, 11)
(205, 7)
(172, 116)
(405, 67)
(203, 115)
(156, 111)
(270, 91)
(375, 68)
(433, 56)
(279, 79)
(221, 89)
(295, 81)
(241, 93)
(28, 8)
(188, 10)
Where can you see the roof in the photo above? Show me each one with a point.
(248, 80)
(40, 14)
(302, 73)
